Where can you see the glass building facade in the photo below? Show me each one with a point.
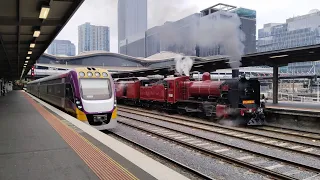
(132, 18)
(62, 47)
(296, 32)
(182, 36)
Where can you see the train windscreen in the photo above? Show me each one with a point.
(95, 89)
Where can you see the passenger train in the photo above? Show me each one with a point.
(86, 93)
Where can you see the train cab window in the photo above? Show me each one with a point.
(95, 89)
(165, 84)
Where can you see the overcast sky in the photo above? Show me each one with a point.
(104, 12)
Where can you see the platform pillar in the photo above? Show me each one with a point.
(275, 79)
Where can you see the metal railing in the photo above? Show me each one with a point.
(294, 98)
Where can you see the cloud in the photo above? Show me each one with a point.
(160, 11)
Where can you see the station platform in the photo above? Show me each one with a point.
(299, 107)
(38, 141)
(295, 108)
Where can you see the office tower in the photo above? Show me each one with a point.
(295, 32)
(62, 47)
(93, 38)
(132, 19)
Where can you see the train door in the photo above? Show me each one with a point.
(69, 98)
(125, 87)
(171, 91)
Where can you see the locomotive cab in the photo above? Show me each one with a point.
(241, 96)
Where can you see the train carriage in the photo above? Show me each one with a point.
(86, 93)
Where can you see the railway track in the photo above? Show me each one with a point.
(308, 145)
(174, 162)
(292, 132)
(268, 165)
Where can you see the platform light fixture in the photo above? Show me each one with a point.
(32, 45)
(26, 61)
(27, 57)
(44, 12)
(29, 52)
(36, 33)
(272, 57)
(199, 65)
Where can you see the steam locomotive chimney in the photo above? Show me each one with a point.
(235, 73)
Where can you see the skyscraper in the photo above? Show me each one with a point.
(132, 18)
(93, 38)
(62, 47)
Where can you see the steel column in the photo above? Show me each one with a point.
(275, 79)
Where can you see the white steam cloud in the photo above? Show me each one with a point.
(224, 32)
(183, 64)
(161, 11)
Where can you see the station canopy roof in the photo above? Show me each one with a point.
(272, 58)
(21, 21)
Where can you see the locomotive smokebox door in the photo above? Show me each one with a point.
(235, 73)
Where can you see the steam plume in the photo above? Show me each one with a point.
(183, 64)
(160, 11)
(224, 32)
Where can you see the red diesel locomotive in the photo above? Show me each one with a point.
(229, 99)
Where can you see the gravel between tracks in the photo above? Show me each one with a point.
(295, 157)
(210, 166)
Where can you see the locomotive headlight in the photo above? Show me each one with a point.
(77, 102)
(97, 74)
(79, 107)
(115, 102)
(81, 74)
(90, 74)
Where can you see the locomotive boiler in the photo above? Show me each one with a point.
(206, 88)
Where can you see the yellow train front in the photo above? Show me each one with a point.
(87, 93)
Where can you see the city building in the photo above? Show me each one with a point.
(183, 36)
(62, 47)
(93, 38)
(132, 18)
(295, 32)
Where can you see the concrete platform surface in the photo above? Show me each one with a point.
(30, 148)
(35, 144)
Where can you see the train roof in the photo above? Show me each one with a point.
(130, 79)
(55, 76)
(63, 74)
(177, 77)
